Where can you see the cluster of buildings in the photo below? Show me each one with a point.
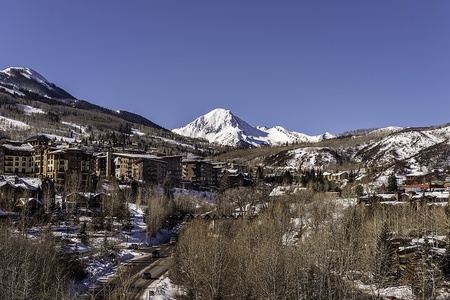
(43, 157)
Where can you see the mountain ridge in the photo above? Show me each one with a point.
(221, 126)
(26, 82)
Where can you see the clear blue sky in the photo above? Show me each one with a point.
(309, 66)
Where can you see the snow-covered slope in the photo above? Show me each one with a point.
(19, 81)
(222, 127)
(30, 110)
(279, 135)
(7, 124)
(387, 150)
(384, 131)
(403, 145)
(305, 158)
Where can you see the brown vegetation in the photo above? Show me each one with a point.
(325, 255)
(34, 269)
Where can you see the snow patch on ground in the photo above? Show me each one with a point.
(60, 138)
(30, 110)
(162, 289)
(136, 131)
(13, 91)
(80, 128)
(7, 124)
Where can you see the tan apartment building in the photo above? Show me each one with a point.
(17, 158)
(140, 167)
(63, 161)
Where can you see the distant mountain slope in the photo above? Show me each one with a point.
(279, 135)
(221, 126)
(21, 81)
(28, 83)
(404, 145)
(399, 151)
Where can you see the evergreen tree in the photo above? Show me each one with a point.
(82, 233)
(359, 190)
(351, 176)
(287, 178)
(259, 174)
(392, 183)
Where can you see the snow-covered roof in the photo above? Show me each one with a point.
(142, 156)
(24, 201)
(23, 147)
(28, 183)
(437, 195)
(386, 196)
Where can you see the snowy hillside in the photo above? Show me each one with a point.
(279, 135)
(19, 81)
(403, 145)
(30, 110)
(305, 158)
(387, 150)
(29, 84)
(7, 124)
(385, 130)
(222, 127)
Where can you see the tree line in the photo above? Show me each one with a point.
(308, 247)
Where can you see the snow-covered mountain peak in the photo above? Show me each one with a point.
(327, 136)
(20, 81)
(219, 113)
(27, 73)
(223, 127)
(218, 118)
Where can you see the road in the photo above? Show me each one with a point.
(128, 283)
(157, 269)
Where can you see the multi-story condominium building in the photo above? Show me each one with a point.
(104, 164)
(62, 161)
(149, 170)
(174, 167)
(37, 159)
(17, 158)
(199, 172)
(140, 167)
(39, 140)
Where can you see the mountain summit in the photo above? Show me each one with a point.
(28, 83)
(21, 81)
(223, 127)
